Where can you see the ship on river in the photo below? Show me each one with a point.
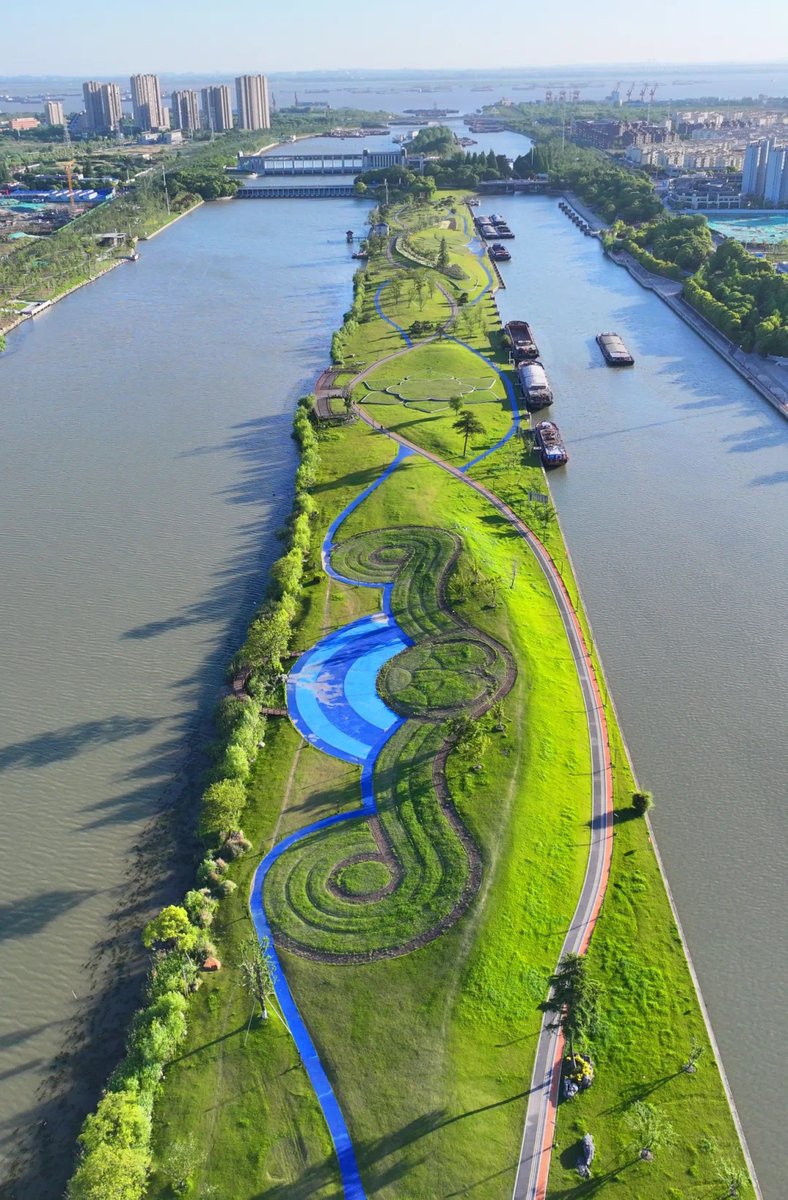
(524, 348)
(550, 444)
(614, 350)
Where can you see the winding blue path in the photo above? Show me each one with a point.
(333, 702)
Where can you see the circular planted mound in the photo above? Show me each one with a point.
(362, 878)
(446, 676)
(379, 398)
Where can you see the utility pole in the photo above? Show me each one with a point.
(166, 193)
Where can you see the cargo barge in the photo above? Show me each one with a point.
(499, 253)
(614, 350)
(550, 445)
(524, 348)
(535, 386)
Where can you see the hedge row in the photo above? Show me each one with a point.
(353, 316)
(270, 633)
(115, 1140)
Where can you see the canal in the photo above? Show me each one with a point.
(147, 466)
(675, 508)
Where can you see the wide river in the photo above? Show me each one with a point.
(146, 467)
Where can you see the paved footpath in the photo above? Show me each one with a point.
(534, 1161)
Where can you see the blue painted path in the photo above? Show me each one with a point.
(333, 702)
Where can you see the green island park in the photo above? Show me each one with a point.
(429, 905)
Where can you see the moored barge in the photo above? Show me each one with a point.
(524, 348)
(550, 445)
(499, 253)
(614, 350)
(535, 385)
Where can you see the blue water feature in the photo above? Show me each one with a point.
(333, 702)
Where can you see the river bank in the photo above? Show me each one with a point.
(130, 481)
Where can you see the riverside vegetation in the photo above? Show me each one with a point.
(429, 1049)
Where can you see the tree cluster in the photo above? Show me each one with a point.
(743, 297)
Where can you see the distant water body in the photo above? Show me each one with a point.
(467, 91)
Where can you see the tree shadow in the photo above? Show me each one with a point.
(24, 918)
(56, 745)
(587, 1187)
(640, 1091)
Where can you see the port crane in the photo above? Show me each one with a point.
(643, 91)
(630, 90)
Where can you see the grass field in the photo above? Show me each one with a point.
(430, 1052)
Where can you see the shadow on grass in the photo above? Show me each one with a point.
(587, 1187)
(640, 1091)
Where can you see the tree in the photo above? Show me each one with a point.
(455, 404)
(181, 1161)
(650, 1128)
(642, 802)
(734, 1179)
(576, 998)
(222, 805)
(110, 1173)
(442, 260)
(696, 1050)
(466, 425)
(258, 972)
(171, 928)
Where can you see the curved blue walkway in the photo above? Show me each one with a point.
(333, 702)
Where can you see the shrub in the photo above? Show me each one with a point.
(235, 845)
(642, 802)
(223, 802)
(226, 888)
(171, 927)
(201, 907)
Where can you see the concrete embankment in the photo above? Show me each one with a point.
(749, 366)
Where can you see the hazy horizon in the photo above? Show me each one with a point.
(306, 37)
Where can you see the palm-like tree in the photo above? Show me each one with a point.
(651, 1130)
(467, 424)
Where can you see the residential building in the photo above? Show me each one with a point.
(766, 172)
(776, 186)
(756, 157)
(217, 107)
(53, 110)
(149, 113)
(252, 95)
(103, 110)
(185, 110)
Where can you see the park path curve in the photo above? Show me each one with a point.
(534, 1161)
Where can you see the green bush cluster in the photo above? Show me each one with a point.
(743, 297)
(353, 317)
(270, 633)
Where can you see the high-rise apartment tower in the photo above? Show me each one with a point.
(53, 110)
(148, 108)
(252, 94)
(103, 109)
(217, 107)
(185, 110)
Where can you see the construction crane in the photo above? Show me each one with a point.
(69, 167)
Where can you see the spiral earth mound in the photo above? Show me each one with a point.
(395, 879)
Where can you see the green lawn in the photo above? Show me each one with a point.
(430, 1052)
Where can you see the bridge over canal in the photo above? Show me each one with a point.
(294, 191)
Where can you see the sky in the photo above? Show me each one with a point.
(92, 38)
